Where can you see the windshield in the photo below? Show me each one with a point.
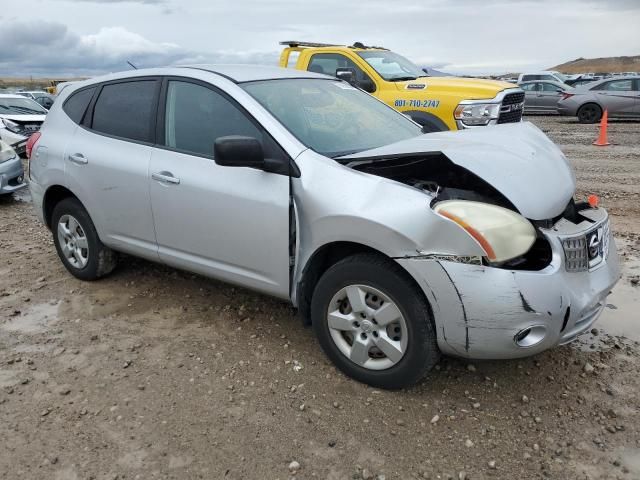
(20, 106)
(562, 77)
(330, 117)
(391, 66)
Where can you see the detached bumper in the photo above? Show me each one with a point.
(492, 313)
(11, 176)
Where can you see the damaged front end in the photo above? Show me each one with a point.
(549, 262)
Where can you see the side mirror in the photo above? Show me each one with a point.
(346, 74)
(367, 85)
(238, 151)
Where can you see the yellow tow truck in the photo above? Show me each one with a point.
(436, 103)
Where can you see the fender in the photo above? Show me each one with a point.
(429, 121)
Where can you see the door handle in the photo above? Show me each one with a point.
(78, 159)
(165, 177)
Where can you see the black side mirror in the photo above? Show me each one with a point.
(346, 74)
(238, 151)
(367, 85)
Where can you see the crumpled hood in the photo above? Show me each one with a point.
(23, 118)
(517, 159)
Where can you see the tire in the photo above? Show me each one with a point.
(386, 283)
(589, 113)
(77, 242)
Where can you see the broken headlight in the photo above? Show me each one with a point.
(11, 126)
(6, 152)
(503, 234)
(474, 114)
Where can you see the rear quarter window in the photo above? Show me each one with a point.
(76, 105)
(127, 110)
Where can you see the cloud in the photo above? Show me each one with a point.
(48, 48)
(149, 2)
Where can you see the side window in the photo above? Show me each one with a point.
(549, 87)
(328, 63)
(126, 110)
(77, 104)
(528, 87)
(618, 86)
(195, 116)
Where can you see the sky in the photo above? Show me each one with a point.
(88, 37)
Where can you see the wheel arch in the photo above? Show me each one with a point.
(322, 259)
(434, 123)
(54, 195)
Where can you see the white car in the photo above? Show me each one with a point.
(551, 75)
(20, 117)
(43, 98)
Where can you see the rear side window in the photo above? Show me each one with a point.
(127, 110)
(77, 104)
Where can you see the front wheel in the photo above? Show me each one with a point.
(374, 323)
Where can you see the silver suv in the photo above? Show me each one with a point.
(395, 245)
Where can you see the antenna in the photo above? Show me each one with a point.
(132, 65)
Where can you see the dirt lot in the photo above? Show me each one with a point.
(156, 373)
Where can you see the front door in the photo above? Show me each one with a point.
(230, 223)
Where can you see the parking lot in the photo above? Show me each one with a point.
(158, 373)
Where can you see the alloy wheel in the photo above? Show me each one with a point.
(73, 241)
(367, 327)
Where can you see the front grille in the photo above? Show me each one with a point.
(28, 128)
(511, 108)
(575, 254)
(586, 251)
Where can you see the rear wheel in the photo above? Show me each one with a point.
(77, 242)
(589, 113)
(373, 322)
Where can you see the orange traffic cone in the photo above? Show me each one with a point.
(602, 138)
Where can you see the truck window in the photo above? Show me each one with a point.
(328, 63)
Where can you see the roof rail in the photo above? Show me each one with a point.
(295, 43)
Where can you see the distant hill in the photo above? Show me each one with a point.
(605, 64)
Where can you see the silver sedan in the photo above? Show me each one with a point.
(619, 96)
(541, 96)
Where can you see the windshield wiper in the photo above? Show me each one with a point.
(21, 110)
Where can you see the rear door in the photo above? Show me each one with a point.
(531, 96)
(617, 96)
(549, 96)
(107, 163)
(230, 223)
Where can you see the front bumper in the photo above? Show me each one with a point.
(481, 312)
(11, 176)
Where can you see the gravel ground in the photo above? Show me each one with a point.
(157, 373)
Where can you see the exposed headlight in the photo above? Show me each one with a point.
(473, 114)
(502, 233)
(6, 152)
(12, 126)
